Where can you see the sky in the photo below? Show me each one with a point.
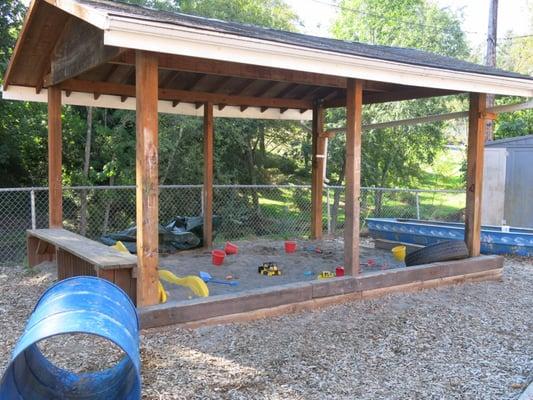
(513, 15)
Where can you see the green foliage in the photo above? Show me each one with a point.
(515, 55)
(406, 23)
(395, 156)
(267, 13)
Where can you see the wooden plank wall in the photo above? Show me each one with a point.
(68, 265)
(55, 198)
(474, 181)
(147, 195)
(354, 107)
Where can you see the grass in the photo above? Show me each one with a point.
(445, 172)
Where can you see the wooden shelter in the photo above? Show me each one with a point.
(108, 54)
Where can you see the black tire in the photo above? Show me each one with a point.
(443, 251)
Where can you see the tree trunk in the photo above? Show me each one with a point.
(86, 163)
(378, 203)
(107, 211)
(253, 178)
(337, 199)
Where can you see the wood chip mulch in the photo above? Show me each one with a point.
(469, 341)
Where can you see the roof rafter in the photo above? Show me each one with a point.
(185, 96)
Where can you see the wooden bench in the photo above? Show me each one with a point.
(77, 255)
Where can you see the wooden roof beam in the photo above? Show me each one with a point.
(185, 96)
(215, 88)
(168, 79)
(215, 67)
(79, 49)
(385, 97)
(197, 81)
(247, 84)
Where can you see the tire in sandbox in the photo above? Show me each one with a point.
(442, 251)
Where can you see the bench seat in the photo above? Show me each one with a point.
(77, 255)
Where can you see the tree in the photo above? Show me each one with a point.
(515, 54)
(395, 156)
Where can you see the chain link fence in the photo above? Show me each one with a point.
(245, 211)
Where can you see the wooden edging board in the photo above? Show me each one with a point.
(301, 295)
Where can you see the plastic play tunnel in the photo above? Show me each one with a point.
(86, 305)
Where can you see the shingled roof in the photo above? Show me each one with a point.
(89, 47)
(389, 53)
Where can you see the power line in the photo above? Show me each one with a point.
(410, 23)
(383, 17)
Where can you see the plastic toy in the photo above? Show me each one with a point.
(206, 277)
(326, 275)
(197, 285)
(269, 269)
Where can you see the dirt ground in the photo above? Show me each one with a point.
(303, 265)
(469, 341)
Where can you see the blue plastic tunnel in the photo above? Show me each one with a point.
(77, 305)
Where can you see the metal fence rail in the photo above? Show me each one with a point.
(246, 211)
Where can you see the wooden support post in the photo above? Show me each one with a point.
(354, 107)
(474, 180)
(208, 174)
(55, 191)
(317, 176)
(147, 179)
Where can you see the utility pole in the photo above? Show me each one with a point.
(490, 60)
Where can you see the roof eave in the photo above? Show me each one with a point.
(174, 39)
(24, 93)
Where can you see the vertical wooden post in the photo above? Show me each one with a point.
(317, 175)
(146, 82)
(474, 169)
(208, 174)
(55, 191)
(354, 107)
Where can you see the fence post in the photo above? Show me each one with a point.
(202, 200)
(417, 197)
(33, 215)
(328, 206)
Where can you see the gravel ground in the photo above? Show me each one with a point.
(471, 341)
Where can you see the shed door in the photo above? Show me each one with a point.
(519, 188)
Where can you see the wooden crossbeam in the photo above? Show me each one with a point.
(214, 67)
(385, 97)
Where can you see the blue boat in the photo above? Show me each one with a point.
(518, 241)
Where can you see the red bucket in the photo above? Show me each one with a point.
(231, 248)
(218, 257)
(290, 246)
(339, 271)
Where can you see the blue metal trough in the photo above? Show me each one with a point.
(81, 304)
(517, 241)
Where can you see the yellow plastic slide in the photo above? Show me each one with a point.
(195, 283)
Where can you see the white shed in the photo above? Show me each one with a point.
(508, 182)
